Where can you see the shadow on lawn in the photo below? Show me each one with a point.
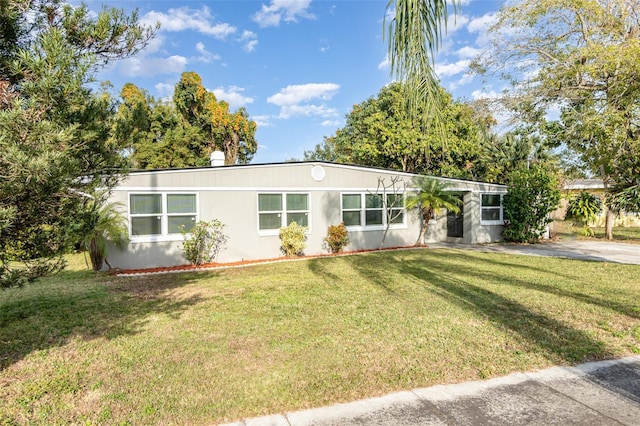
(440, 273)
(83, 304)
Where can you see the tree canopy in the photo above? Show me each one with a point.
(380, 132)
(55, 144)
(580, 56)
(185, 131)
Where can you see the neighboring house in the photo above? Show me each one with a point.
(254, 201)
(594, 186)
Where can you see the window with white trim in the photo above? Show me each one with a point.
(161, 214)
(491, 211)
(372, 210)
(276, 210)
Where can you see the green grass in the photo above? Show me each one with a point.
(201, 348)
(565, 230)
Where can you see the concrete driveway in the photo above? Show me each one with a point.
(583, 250)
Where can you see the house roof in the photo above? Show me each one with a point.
(584, 184)
(297, 163)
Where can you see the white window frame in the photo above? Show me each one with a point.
(164, 217)
(283, 212)
(363, 211)
(501, 207)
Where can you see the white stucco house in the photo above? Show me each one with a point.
(254, 201)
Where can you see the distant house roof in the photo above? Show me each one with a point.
(584, 184)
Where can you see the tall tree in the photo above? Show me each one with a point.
(414, 36)
(54, 131)
(184, 132)
(380, 132)
(581, 56)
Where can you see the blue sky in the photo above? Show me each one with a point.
(297, 66)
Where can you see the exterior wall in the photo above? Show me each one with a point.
(230, 194)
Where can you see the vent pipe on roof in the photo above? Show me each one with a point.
(217, 159)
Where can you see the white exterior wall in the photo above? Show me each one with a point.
(230, 194)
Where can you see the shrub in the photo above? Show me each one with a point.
(337, 237)
(203, 242)
(292, 239)
(532, 195)
(583, 209)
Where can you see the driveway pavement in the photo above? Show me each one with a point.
(598, 393)
(583, 250)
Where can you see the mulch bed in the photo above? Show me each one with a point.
(215, 265)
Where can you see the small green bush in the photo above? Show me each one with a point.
(337, 237)
(293, 239)
(203, 242)
(583, 209)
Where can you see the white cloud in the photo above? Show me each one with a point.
(447, 70)
(287, 10)
(385, 64)
(331, 123)
(205, 55)
(482, 23)
(295, 94)
(463, 81)
(455, 22)
(164, 90)
(262, 120)
(185, 18)
(482, 94)
(149, 67)
(468, 52)
(288, 111)
(250, 40)
(293, 100)
(233, 96)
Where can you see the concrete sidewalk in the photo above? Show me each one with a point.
(597, 393)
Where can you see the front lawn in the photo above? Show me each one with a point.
(202, 348)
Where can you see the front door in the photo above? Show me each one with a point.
(455, 221)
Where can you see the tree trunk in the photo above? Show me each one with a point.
(608, 226)
(426, 217)
(95, 255)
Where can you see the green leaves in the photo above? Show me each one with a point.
(532, 195)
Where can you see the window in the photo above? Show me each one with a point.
(278, 210)
(491, 209)
(369, 210)
(161, 214)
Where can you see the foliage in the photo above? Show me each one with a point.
(432, 197)
(532, 195)
(337, 237)
(379, 132)
(584, 208)
(502, 154)
(183, 132)
(55, 140)
(203, 242)
(102, 222)
(293, 239)
(581, 57)
(414, 36)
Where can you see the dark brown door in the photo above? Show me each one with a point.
(455, 222)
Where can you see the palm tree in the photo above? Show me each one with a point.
(414, 36)
(432, 197)
(104, 222)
